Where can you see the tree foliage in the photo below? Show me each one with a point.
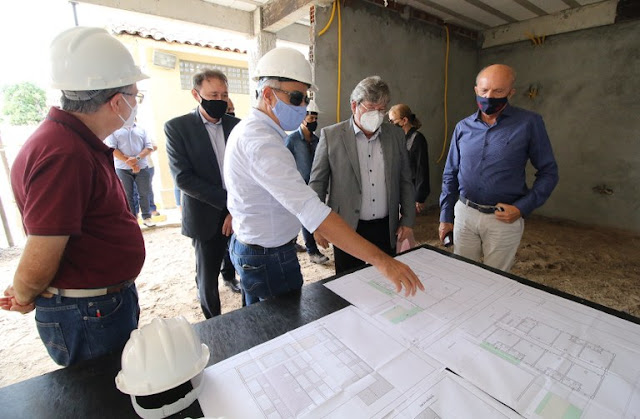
(24, 103)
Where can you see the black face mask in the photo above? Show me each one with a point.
(213, 108)
(312, 126)
(231, 113)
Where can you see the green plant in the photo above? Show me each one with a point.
(24, 103)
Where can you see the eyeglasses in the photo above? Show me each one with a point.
(139, 96)
(295, 97)
(382, 111)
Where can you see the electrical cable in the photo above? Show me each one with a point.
(333, 11)
(446, 87)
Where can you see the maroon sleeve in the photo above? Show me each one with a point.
(57, 192)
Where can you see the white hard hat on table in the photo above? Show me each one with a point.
(158, 357)
(85, 58)
(286, 63)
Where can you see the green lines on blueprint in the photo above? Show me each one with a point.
(553, 406)
(398, 314)
(509, 358)
(381, 288)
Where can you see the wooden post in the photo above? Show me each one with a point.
(3, 214)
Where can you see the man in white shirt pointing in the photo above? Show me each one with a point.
(267, 197)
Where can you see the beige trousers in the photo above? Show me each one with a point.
(481, 237)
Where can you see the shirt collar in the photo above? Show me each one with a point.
(507, 111)
(69, 120)
(258, 114)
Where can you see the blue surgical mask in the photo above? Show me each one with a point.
(290, 116)
(491, 105)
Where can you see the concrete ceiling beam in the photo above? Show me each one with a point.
(590, 16)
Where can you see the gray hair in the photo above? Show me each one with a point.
(372, 89)
(266, 82)
(88, 101)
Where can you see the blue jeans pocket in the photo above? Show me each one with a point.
(53, 339)
(254, 280)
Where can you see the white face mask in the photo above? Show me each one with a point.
(128, 123)
(371, 120)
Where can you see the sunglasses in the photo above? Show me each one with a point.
(295, 97)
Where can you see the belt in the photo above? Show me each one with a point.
(86, 293)
(258, 247)
(485, 209)
(382, 220)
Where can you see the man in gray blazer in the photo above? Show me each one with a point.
(363, 165)
(195, 146)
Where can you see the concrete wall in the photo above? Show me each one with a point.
(589, 87)
(407, 54)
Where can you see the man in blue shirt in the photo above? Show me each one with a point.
(484, 181)
(302, 143)
(131, 146)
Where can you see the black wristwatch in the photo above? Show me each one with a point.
(138, 158)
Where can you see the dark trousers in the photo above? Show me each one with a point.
(209, 255)
(227, 270)
(309, 241)
(377, 232)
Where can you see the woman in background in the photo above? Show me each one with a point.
(401, 116)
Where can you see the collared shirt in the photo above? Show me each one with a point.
(65, 184)
(266, 195)
(130, 141)
(374, 187)
(486, 164)
(216, 136)
(303, 151)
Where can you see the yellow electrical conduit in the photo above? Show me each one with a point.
(446, 86)
(333, 11)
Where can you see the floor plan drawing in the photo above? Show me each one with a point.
(341, 366)
(542, 355)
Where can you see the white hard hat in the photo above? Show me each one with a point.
(313, 107)
(284, 62)
(90, 59)
(158, 357)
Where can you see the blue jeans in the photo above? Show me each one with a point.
(142, 180)
(264, 272)
(136, 195)
(72, 330)
(309, 242)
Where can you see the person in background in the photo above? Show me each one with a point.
(362, 168)
(484, 190)
(131, 146)
(136, 196)
(268, 198)
(84, 248)
(302, 143)
(196, 145)
(231, 110)
(401, 116)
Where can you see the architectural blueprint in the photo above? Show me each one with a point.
(340, 366)
(542, 355)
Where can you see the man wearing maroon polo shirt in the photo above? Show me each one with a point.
(84, 248)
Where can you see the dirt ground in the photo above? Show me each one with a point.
(596, 264)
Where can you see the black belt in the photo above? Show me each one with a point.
(485, 209)
(257, 247)
(375, 221)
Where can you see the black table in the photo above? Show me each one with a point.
(87, 390)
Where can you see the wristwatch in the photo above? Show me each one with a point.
(138, 158)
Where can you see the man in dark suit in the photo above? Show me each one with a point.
(361, 167)
(195, 145)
